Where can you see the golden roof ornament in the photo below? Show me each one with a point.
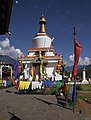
(42, 23)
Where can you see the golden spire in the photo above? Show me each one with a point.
(42, 23)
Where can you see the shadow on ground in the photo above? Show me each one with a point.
(14, 117)
(8, 91)
(61, 102)
(48, 103)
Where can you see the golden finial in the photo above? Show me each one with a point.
(42, 23)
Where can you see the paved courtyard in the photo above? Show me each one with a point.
(14, 106)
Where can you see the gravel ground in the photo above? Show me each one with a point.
(14, 106)
(85, 108)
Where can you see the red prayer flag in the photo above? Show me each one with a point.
(34, 72)
(77, 50)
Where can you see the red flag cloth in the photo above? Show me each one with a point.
(77, 50)
(34, 72)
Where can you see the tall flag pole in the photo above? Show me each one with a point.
(77, 50)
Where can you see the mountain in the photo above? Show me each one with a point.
(88, 71)
(80, 70)
(7, 59)
(69, 68)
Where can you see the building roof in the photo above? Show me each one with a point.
(57, 57)
(5, 14)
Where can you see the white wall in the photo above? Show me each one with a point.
(49, 71)
(31, 54)
(49, 54)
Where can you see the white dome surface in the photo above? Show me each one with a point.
(42, 42)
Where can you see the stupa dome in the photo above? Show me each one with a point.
(41, 39)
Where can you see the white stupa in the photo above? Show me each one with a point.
(42, 58)
(84, 81)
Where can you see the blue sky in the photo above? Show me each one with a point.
(61, 16)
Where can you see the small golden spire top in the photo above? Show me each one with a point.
(42, 23)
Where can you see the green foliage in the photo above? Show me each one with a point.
(85, 91)
(86, 87)
(78, 87)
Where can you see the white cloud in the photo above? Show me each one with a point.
(70, 61)
(5, 43)
(82, 61)
(6, 49)
(18, 51)
(85, 61)
(71, 57)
